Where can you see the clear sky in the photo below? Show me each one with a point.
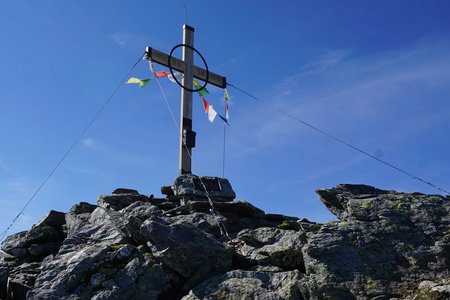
(374, 73)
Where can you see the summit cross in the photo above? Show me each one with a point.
(190, 71)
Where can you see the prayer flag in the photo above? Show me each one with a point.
(211, 113)
(226, 111)
(205, 104)
(203, 91)
(178, 76)
(141, 82)
(134, 80)
(224, 119)
(160, 74)
(225, 95)
(209, 110)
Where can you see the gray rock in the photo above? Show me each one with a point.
(41, 250)
(109, 294)
(239, 208)
(429, 290)
(14, 241)
(192, 186)
(277, 218)
(336, 199)
(43, 234)
(205, 222)
(20, 252)
(17, 289)
(186, 249)
(120, 201)
(132, 228)
(78, 216)
(80, 252)
(121, 191)
(234, 215)
(165, 205)
(271, 246)
(142, 210)
(269, 268)
(21, 280)
(96, 280)
(18, 243)
(54, 219)
(167, 190)
(82, 208)
(125, 251)
(386, 244)
(143, 278)
(239, 284)
(4, 273)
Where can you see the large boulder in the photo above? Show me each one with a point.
(187, 250)
(20, 244)
(386, 243)
(189, 186)
(53, 218)
(80, 254)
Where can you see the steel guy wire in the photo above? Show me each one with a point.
(69, 150)
(329, 135)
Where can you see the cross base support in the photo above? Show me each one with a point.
(188, 187)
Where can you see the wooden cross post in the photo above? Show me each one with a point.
(190, 71)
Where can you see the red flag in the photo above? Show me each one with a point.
(160, 74)
(226, 111)
(205, 104)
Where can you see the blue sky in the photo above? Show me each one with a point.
(374, 73)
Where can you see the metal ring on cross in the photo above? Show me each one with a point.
(203, 59)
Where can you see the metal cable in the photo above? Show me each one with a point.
(342, 141)
(223, 155)
(75, 142)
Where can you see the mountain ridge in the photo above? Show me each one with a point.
(200, 244)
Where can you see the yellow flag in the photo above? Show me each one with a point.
(141, 82)
(134, 80)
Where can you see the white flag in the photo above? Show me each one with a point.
(211, 113)
(178, 76)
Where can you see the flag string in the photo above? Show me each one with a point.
(175, 78)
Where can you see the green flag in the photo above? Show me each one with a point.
(203, 91)
(141, 82)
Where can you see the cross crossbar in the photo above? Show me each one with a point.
(179, 65)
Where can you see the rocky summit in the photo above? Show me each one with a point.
(386, 245)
